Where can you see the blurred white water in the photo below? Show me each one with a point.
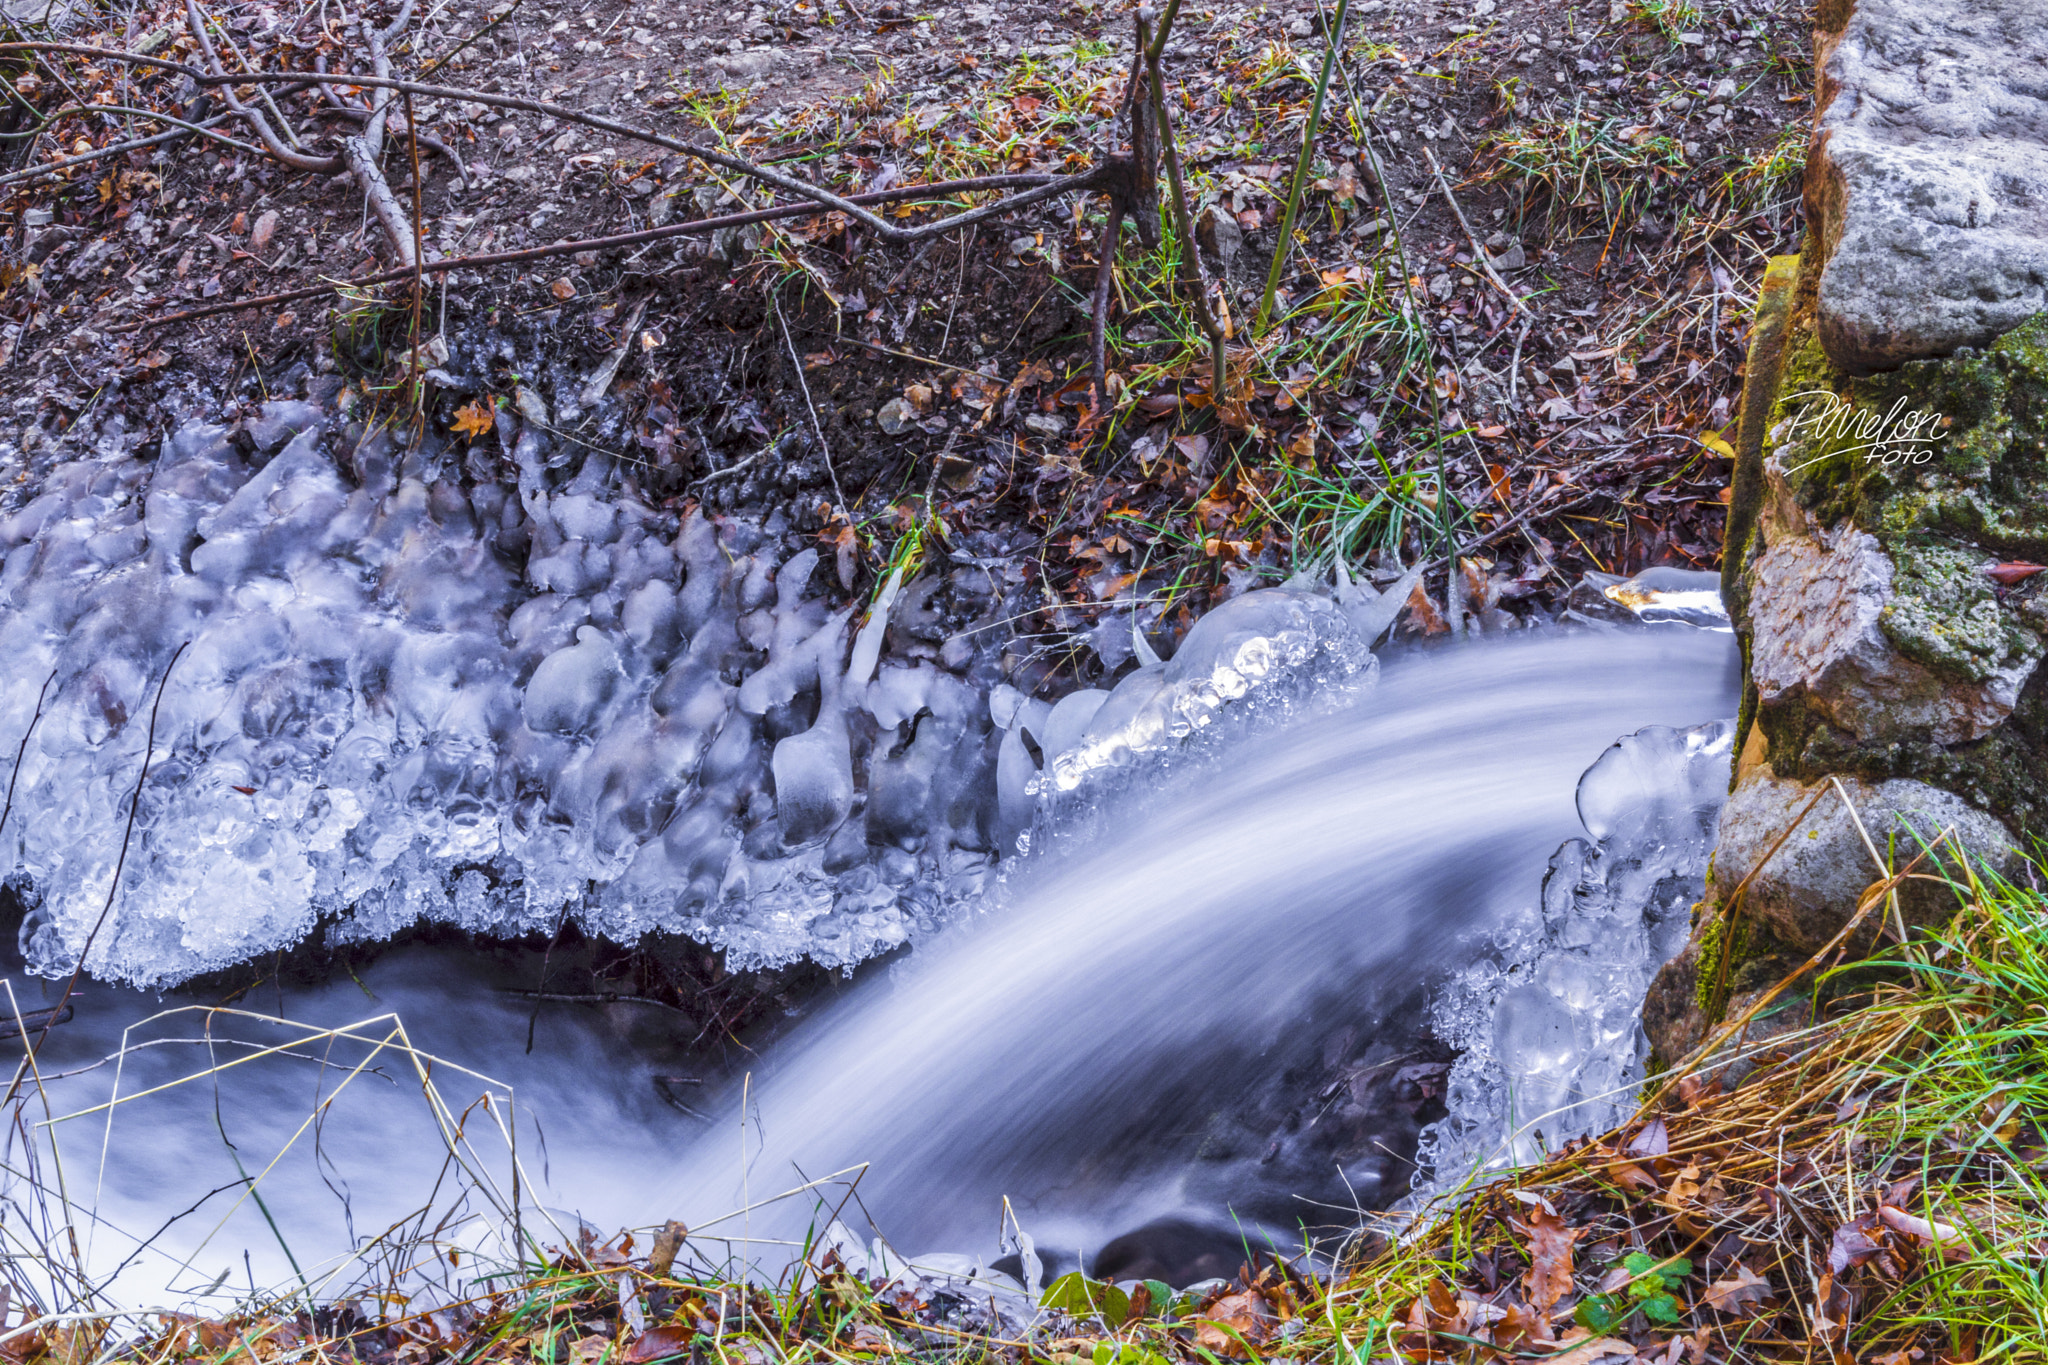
(1283, 882)
(1084, 1055)
(1121, 1041)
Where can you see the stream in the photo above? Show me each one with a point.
(1298, 927)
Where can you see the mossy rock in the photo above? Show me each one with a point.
(1976, 472)
(1973, 492)
(1689, 997)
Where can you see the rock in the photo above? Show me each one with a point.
(1220, 238)
(1927, 184)
(1878, 644)
(1677, 1022)
(260, 235)
(896, 417)
(1890, 450)
(1505, 252)
(1808, 890)
(1823, 624)
(1045, 424)
(753, 62)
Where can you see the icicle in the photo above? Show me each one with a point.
(867, 646)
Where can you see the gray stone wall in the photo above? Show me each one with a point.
(1890, 506)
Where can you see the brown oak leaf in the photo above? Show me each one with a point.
(1742, 1294)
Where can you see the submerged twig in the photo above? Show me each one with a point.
(22, 751)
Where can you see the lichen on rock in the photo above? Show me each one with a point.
(1945, 613)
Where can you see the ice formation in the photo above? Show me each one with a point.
(402, 695)
(1551, 1039)
(1055, 760)
(406, 694)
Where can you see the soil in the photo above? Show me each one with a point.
(851, 92)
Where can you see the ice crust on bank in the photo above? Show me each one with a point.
(1059, 762)
(1550, 1029)
(407, 695)
(405, 698)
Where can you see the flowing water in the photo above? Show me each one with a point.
(1291, 923)
(1219, 1009)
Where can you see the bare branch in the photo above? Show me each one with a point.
(1193, 277)
(196, 22)
(179, 128)
(1096, 178)
(614, 242)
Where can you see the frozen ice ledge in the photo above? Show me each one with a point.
(382, 692)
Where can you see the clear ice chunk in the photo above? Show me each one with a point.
(1550, 1037)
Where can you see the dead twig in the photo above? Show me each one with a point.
(1478, 251)
(1098, 332)
(1193, 277)
(1095, 178)
(797, 363)
(120, 863)
(613, 242)
(22, 752)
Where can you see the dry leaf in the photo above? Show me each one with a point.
(474, 418)
(657, 1342)
(1653, 1140)
(2016, 571)
(872, 1340)
(1586, 1352)
(661, 1259)
(1852, 1245)
(1550, 1257)
(1924, 1230)
(1230, 1318)
(1423, 615)
(1741, 1294)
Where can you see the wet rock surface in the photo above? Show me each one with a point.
(1889, 516)
(1928, 184)
(1808, 890)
